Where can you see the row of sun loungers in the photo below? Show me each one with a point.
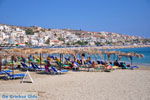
(11, 76)
(50, 70)
(35, 67)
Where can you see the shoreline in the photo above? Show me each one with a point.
(110, 47)
(88, 47)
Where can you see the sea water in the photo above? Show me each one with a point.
(140, 61)
(103, 57)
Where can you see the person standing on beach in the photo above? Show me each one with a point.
(83, 59)
(47, 65)
(116, 63)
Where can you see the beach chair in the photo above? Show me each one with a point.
(63, 65)
(56, 71)
(27, 67)
(37, 68)
(75, 66)
(116, 67)
(47, 70)
(14, 76)
(133, 67)
(3, 71)
(41, 69)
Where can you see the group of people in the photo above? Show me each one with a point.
(95, 64)
(74, 63)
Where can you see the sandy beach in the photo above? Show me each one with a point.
(115, 85)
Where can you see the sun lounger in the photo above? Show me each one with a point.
(116, 67)
(3, 71)
(63, 65)
(37, 68)
(56, 71)
(133, 67)
(27, 67)
(14, 76)
(75, 66)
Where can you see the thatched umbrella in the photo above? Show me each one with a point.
(131, 55)
(109, 53)
(63, 51)
(39, 51)
(2, 53)
(95, 52)
(8, 53)
(89, 51)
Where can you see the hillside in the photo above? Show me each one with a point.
(39, 36)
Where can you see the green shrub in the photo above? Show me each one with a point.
(29, 32)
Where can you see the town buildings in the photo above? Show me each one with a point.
(62, 37)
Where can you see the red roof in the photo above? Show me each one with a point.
(55, 40)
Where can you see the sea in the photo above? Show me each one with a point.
(145, 61)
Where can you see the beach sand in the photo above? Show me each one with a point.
(115, 85)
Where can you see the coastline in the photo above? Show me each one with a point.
(106, 47)
(141, 64)
(85, 47)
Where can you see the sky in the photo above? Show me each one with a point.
(131, 17)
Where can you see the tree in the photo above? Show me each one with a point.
(81, 42)
(28, 43)
(61, 39)
(98, 43)
(47, 41)
(145, 41)
(29, 32)
(67, 43)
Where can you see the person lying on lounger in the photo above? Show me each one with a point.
(75, 66)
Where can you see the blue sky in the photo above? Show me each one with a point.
(130, 17)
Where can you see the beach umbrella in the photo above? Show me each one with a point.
(31, 51)
(109, 53)
(131, 55)
(2, 54)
